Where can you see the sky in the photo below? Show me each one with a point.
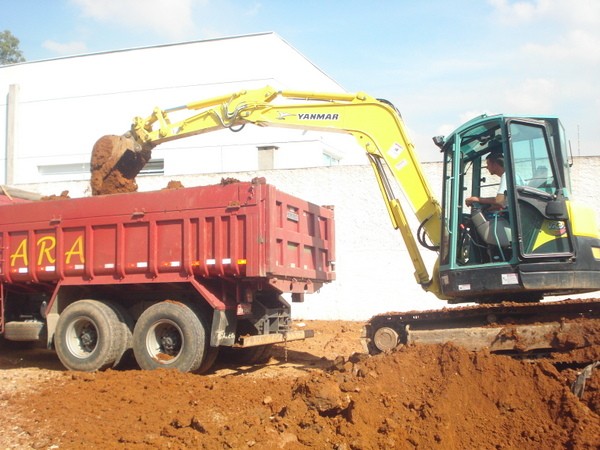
(440, 62)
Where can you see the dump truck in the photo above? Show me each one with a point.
(168, 277)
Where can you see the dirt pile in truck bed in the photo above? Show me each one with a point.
(418, 397)
(63, 195)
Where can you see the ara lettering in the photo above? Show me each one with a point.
(46, 246)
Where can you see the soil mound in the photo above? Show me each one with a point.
(437, 396)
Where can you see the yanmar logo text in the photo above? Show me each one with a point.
(318, 116)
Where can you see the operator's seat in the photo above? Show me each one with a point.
(494, 230)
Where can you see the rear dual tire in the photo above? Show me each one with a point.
(172, 335)
(91, 335)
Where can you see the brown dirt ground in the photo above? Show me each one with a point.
(319, 393)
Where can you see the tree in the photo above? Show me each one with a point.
(9, 49)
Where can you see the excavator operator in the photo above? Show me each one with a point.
(489, 214)
(495, 165)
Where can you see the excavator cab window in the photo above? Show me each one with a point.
(465, 242)
(534, 222)
(452, 177)
(486, 233)
(541, 211)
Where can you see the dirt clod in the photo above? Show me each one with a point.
(229, 180)
(174, 184)
(63, 195)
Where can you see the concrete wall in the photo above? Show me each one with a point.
(374, 272)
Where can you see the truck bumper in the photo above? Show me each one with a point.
(274, 338)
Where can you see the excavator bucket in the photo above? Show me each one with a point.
(116, 161)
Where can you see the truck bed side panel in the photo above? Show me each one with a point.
(242, 230)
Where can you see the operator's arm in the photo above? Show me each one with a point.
(496, 202)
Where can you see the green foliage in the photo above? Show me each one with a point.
(9, 49)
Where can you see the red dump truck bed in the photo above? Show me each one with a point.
(244, 229)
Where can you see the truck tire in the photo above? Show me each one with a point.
(170, 335)
(89, 336)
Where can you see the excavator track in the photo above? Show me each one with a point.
(566, 332)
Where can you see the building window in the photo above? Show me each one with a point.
(64, 169)
(330, 160)
(152, 167)
(266, 156)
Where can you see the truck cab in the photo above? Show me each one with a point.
(532, 246)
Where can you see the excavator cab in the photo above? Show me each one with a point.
(533, 246)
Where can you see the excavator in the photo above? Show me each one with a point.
(500, 262)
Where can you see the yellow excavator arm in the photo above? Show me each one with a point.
(375, 124)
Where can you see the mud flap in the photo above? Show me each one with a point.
(223, 329)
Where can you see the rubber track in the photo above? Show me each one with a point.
(486, 315)
(504, 313)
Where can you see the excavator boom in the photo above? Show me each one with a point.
(375, 124)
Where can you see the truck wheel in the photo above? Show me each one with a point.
(89, 336)
(170, 335)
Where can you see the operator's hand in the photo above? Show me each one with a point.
(470, 200)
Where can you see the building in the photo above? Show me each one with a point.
(53, 111)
